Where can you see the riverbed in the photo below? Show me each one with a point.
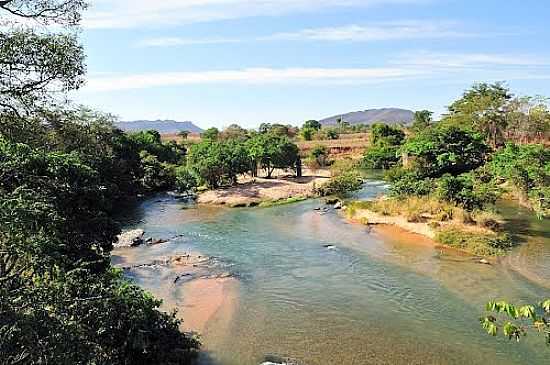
(291, 282)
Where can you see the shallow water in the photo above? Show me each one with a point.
(319, 290)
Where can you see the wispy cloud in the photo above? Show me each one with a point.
(397, 30)
(469, 60)
(147, 13)
(423, 65)
(250, 76)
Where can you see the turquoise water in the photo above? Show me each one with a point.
(364, 299)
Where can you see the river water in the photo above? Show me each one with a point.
(319, 290)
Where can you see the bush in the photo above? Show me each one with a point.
(341, 185)
(483, 244)
(186, 180)
(381, 157)
(385, 142)
(319, 154)
(465, 191)
(406, 183)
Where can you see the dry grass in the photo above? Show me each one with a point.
(193, 138)
(351, 145)
(474, 232)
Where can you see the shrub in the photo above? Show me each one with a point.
(381, 157)
(483, 244)
(186, 180)
(465, 191)
(341, 185)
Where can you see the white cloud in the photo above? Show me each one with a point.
(349, 33)
(469, 60)
(250, 76)
(140, 13)
(376, 32)
(424, 65)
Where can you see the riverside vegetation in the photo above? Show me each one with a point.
(64, 169)
(447, 175)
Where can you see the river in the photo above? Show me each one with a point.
(319, 290)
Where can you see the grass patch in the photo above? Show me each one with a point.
(272, 203)
(481, 244)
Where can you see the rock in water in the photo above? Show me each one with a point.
(338, 205)
(130, 238)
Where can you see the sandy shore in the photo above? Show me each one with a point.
(250, 192)
(369, 217)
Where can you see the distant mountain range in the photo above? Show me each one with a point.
(385, 115)
(162, 126)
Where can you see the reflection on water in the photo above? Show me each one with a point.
(319, 290)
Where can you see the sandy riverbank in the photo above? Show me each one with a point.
(253, 191)
(372, 218)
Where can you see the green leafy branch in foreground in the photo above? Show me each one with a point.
(516, 321)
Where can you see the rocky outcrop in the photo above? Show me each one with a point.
(130, 238)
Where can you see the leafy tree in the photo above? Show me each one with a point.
(483, 108)
(218, 163)
(320, 155)
(307, 133)
(234, 131)
(383, 152)
(446, 149)
(422, 120)
(184, 134)
(527, 167)
(60, 301)
(211, 134)
(528, 119)
(331, 133)
(465, 191)
(312, 124)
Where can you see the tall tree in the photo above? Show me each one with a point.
(483, 108)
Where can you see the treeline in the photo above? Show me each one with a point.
(221, 157)
(63, 170)
(473, 155)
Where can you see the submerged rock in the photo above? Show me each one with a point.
(484, 262)
(130, 238)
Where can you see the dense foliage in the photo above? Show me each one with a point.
(341, 185)
(62, 170)
(218, 163)
(385, 142)
(527, 168)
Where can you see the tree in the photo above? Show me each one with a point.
(307, 133)
(211, 134)
(184, 134)
(312, 124)
(331, 133)
(385, 141)
(234, 131)
(527, 168)
(60, 300)
(445, 149)
(422, 120)
(483, 108)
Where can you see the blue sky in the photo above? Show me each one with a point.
(218, 62)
